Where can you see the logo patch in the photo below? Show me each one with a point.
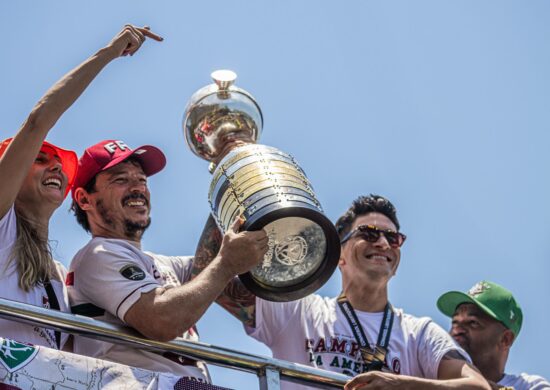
(478, 289)
(132, 272)
(111, 147)
(14, 355)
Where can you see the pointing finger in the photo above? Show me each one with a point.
(149, 34)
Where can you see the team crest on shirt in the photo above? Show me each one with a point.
(14, 355)
(478, 289)
(132, 272)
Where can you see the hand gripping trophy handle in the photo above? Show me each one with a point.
(222, 124)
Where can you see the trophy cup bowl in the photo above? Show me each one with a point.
(266, 186)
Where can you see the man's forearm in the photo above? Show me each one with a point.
(427, 384)
(382, 380)
(208, 246)
(163, 314)
(199, 293)
(453, 373)
(239, 302)
(235, 298)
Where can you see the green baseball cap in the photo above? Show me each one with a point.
(493, 299)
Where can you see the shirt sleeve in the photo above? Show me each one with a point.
(112, 277)
(273, 318)
(539, 384)
(182, 265)
(8, 231)
(435, 343)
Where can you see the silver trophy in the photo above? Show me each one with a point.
(265, 185)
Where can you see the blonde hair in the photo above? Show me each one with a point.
(32, 254)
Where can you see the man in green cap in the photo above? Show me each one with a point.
(485, 322)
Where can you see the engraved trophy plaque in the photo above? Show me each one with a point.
(266, 186)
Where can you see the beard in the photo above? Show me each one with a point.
(135, 230)
(132, 230)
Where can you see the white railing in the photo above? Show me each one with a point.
(270, 371)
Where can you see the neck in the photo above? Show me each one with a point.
(369, 297)
(492, 368)
(38, 218)
(106, 233)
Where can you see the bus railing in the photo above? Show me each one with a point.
(269, 370)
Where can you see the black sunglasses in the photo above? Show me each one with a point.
(371, 233)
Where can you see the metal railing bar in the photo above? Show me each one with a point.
(104, 331)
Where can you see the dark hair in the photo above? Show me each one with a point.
(81, 216)
(365, 205)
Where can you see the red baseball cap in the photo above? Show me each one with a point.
(108, 153)
(68, 158)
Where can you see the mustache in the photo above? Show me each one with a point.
(135, 197)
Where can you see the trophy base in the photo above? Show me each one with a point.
(301, 258)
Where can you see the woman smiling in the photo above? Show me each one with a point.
(36, 176)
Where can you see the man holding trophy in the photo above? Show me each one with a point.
(113, 279)
(358, 333)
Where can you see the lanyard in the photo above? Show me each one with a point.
(373, 358)
(54, 304)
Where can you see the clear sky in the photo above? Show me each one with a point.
(442, 106)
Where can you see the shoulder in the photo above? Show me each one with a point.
(102, 249)
(311, 306)
(525, 381)
(319, 302)
(8, 228)
(180, 265)
(426, 332)
(173, 261)
(61, 269)
(414, 324)
(10, 215)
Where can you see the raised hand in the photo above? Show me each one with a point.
(241, 251)
(130, 39)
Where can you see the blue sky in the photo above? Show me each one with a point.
(441, 106)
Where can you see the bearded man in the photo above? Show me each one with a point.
(111, 278)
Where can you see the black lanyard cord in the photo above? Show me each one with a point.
(54, 304)
(373, 358)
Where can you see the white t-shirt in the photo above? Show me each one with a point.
(524, 382)
(314, 331)
(37, 296)
(106, 278)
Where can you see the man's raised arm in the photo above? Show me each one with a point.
(235, 298)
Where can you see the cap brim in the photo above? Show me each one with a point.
(69, 163)
(151, 158)
(69, 160)
(448, 302)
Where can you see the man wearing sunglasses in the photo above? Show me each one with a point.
(359, 333)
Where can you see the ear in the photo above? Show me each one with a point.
(507, 338)
(82, 198)
(341, 262)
